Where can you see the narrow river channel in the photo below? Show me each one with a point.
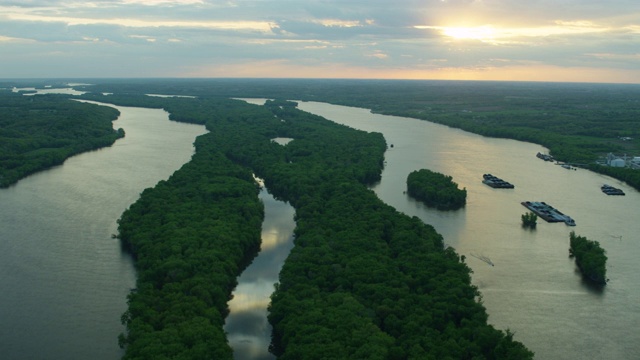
(247, 328)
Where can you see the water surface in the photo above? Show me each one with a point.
(247, 328)
(63, 278)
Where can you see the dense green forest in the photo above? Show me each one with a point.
(577, 122)
(38, 132)
(435, 189)
(191, 236)
(363, 280)
(590, 258)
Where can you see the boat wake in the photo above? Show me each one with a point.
(483, 258)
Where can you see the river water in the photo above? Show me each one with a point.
(247, 328)
(63, 279)
(534, 289)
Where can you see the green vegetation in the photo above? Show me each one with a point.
(590, 258)
(435, 189)
(38, 132)
(191, 236)
(529, 220)
(363, 280)
(577, 122)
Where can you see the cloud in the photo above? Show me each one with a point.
(142, 23)
(162, 2)
(507, 35)
(403, 37)
(7, 39)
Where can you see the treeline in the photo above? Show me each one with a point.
(590, 258)
(363, 280)
(577, 122)
(435, 189)
(38, 132)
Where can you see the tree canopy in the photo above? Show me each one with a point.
(41, 131)
(435, 189)
(590, 257)
(362, 281)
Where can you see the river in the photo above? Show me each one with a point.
(63, 278)
(534, 289)
(247, 328)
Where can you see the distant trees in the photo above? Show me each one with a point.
(41, 131)
(590, 258)
(577, 122)
(435, 189)
(529, 220)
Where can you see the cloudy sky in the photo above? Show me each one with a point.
(540, 40)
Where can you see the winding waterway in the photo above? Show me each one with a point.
(534, 289)
(63, 278)
(248, 331)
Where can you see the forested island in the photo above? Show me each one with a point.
(363, 280)
(38, 132)
(590, 258)
(435, 189)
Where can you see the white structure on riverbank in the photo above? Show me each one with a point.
(615, 161)
(624, 161)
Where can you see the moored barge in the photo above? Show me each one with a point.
(610, 190)
(496, 182)
(548, 212)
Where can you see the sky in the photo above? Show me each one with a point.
(532, 40)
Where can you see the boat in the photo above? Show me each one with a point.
(610, 190)
(548, 212)
(496, 182)
(544, 157)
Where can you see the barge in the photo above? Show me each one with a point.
(496, 182)
(548, 212)
(544, 157)
(610, 190)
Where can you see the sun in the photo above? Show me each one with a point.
(482, 33)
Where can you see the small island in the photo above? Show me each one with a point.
(590, 258)
(436, 190)
(529, 220)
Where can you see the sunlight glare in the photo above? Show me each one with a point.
(482, 33)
